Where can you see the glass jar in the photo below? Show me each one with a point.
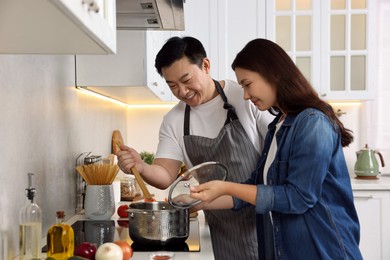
(128, 189)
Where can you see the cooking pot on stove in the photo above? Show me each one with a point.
(162, 223)
(158, 223)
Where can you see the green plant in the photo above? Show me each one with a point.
(147, 157)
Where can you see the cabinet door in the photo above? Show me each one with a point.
(224, 28)
(294, 26)
(130, 74)
(373, 208)
(57, 27)
(348, 49)
(98, 19)
(154, 41)
(332, 42)
(126, 68)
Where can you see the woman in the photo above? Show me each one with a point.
(301, 187)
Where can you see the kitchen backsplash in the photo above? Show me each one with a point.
(45, 123)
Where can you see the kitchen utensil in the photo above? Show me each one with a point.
(99, 202)
(158, 223)
(119, 141)
(179, 193)
(366, 166)
(147, 195)
(116, 141)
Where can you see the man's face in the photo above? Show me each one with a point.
(188, 82)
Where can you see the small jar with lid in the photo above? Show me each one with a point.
(128, 190)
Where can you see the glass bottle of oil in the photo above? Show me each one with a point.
(30, 226)
(60, 239)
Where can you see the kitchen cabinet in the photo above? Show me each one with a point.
(224, 28)
(129, 75)
(373, 208)
(58, 27)
(332, 42)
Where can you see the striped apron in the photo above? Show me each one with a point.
(233, 233)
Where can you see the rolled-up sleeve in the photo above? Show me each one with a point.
(264, 199)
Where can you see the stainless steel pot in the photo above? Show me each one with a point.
(158, 223)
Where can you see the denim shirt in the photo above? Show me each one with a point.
(308, 192)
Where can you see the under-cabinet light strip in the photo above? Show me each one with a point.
(118, 102)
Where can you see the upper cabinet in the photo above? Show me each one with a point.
(129, 75)
(331, 41)
(58, 27)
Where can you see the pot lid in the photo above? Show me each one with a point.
(179, 193)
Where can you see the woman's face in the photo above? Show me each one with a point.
(188, 82)
(256, 89)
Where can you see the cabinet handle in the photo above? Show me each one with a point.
(364, 197)
(92, 5)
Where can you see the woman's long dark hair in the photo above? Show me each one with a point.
(294, 92)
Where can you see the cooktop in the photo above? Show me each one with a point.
(102, 231)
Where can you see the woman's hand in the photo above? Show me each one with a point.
(129, 158)
(209, 191)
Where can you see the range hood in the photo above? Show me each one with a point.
(150, 14)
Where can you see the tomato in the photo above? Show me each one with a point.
(127, 250)
(122, 211)
(149, 200)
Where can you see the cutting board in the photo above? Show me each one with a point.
(116, 139)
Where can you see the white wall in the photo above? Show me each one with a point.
(45, 123)
(143, 125)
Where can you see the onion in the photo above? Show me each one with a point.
(126, 249)
(109, 251)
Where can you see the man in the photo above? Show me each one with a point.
(212, 122)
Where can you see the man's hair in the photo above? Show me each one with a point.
(176, 48)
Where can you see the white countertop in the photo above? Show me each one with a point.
(382, 183)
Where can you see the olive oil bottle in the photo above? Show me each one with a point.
(30, 226)
(60, 239)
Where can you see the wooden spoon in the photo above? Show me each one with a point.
(147, 195)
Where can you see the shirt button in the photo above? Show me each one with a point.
(279, 253)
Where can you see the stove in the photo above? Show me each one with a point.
(102, 231)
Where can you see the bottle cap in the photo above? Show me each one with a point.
(60, 214)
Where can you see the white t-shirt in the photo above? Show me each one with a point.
(208, 119)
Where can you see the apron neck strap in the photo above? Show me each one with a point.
(231, 114)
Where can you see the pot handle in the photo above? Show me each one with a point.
(381, 157)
